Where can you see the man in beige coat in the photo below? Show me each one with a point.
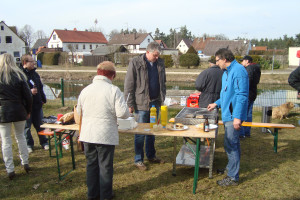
(100, 103)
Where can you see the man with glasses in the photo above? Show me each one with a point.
(145, 85)
(233, 102)
(39, 98)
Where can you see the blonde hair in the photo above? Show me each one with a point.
(107, 69)
(106, 65)
(8, 68)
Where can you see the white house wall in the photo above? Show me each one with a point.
(293, 60)
(17, 45)
(182, 47)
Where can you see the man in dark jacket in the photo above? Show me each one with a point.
(209, 83)
(294, 80)
(39, 98)
(145, 85)
(254, 74)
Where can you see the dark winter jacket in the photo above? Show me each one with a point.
(209, 83)
(15, 101)
(33, 79)
(137, 83)
(254, 74)
(294, 79)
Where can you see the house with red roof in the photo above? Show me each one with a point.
(78, 43)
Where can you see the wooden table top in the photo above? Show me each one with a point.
(265, 125)
(144, 129)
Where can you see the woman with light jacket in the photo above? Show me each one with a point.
(100, 104)
(15, 108)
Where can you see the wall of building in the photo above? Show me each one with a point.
(293, 60)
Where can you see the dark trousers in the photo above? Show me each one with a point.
(99, 169)
(35, 119)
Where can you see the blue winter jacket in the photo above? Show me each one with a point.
(234, 94)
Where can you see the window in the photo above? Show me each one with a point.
(76, 46)
(16, 54)
(2, 28)
(96, 45)
(148, 40)
(8, 39)
(0, 39)
(57, 46)
(54, 37)
(134, 47)
(51, 45)
(83, 46)
(91, 46)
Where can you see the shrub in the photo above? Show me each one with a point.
(192, 50)
(40, 57)
(51, 58)
(189, 59)
(167, 60)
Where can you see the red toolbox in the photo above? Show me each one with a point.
(192, 100)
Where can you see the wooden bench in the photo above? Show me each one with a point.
(268, 126)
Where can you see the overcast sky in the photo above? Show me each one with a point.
(233, 18)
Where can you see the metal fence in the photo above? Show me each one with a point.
(268, 94)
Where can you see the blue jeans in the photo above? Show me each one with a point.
(35, 119)
(245, 131)
(233, 150)
(144, 117)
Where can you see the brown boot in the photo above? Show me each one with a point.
(156, 160)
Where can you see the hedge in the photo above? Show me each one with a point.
(167, 60)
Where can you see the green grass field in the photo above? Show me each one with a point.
(263, 175)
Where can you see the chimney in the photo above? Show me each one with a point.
(74, 29)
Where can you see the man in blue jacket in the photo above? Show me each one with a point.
(233, 102)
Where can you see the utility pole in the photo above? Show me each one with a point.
(174, 36)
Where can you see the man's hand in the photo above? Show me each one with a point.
(34, 91)
(131, 109)
(237, 123)
(211, 106)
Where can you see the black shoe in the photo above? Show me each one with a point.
(227, 181)
(221, 171)
(27, 168)
(242, 137)
(11, 175)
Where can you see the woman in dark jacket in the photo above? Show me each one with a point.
(15, 108)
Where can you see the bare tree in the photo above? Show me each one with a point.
(26, 33)
(40, 34)
(113, 33)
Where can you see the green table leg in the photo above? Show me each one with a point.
(275, 139)
(196, 173)
(57, 155)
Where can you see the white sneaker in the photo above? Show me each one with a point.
(46, 147)
(30, 150)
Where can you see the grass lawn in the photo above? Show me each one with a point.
(263, 174)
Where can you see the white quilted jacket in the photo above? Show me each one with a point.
(101, 103)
